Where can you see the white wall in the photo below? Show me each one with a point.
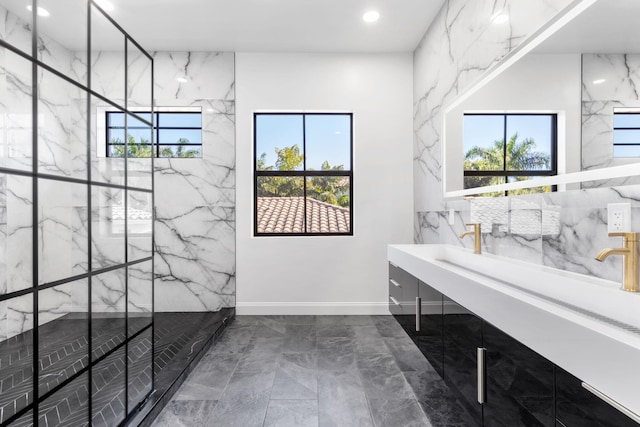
(325, 275)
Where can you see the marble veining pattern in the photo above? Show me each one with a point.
(621, 88)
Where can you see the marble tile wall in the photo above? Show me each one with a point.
(563, 230)
(622, 75)
(195, 198)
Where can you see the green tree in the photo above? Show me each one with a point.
(328, 189)
(134, 148)
(521, 156)
(288, 159)
(180, 151)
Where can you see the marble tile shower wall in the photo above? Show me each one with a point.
(195, 204)
(563, 230)
(194, 198)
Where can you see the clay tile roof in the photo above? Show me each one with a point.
(286, 215)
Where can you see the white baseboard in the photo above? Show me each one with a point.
(312, 308)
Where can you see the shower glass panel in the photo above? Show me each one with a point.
(76, 226)
(16, 117)
(107, 58)
(64, 51)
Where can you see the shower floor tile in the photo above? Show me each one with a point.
(64, 345)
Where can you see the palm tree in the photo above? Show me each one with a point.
(520, 156)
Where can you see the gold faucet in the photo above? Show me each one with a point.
(476, 237)
(629, 252)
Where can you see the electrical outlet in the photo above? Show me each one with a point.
(452, 217)
(618, 217)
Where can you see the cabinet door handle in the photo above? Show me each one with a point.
(628, 412)
(394, 300)
(394, 283)
(482, 378)
(418, 312)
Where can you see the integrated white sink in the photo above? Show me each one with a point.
(587, 326)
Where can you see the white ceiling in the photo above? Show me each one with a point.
(276, 25)
(608, 26)
(250, 25)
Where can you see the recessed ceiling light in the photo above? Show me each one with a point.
(182, 79)
(599, 81)
(338, 132)
(371, 16)
(210, 110)
(499, 17)
(106, 5)
(41, 11)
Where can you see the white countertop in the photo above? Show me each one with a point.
(587, 326)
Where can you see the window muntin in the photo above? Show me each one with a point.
(626, 134)
(303, 173)
(177, 134)
(530, 151)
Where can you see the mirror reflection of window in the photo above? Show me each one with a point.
(530, 151)
(626, 133)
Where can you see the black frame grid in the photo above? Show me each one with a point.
(636, 129)
(304, 173)
(36, 176)
(156, 131)
(513, 173)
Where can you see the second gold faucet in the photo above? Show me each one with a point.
(477, 240)
(629, 252)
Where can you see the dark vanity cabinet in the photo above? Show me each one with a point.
(499, 381)
(418, 309)
(462, 336)
(518, 381)
(578, 407)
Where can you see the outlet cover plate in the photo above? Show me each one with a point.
(618, 217)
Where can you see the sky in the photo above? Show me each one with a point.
(483, 130)
(327, 137)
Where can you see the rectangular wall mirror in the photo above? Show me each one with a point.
(561, 112)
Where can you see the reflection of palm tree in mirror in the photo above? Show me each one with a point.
(143, 148)
(520, 156)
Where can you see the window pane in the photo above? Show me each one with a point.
(628, 120)
(180, 136)
(280, 204)
(622, 137)
(183, 151)
(279, 142)
(180, 120)
(483, 142)
(532, 190)
(115, 119)
(135, 122)
(529, 142)
(328, 142)
(482, 181)
(328, 204)
(626, 151)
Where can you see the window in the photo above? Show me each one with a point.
(177, 134)
(530, 151)
(303, 174)
(626, 133)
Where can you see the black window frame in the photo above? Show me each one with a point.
(635, 144)
(156, 144)
(515, 173)
(304, 173)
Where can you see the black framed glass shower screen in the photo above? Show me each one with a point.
(76, 302)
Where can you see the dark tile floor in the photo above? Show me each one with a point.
(179, 339)
(313, 371)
